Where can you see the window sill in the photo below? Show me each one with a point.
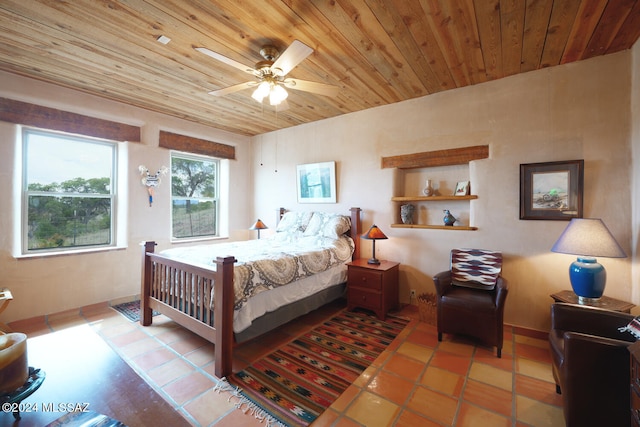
(69, 252)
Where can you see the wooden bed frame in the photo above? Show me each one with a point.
(161, 290)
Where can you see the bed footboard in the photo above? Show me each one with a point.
(182, 292)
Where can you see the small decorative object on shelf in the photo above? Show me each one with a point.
(428, 189)
(406, 213)
(449, 219)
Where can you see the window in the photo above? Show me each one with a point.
(194, 196)
(69, 192)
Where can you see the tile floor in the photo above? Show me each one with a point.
(416, 382)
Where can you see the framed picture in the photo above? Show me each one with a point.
(551, 190)
(462, 189)
(316, 182)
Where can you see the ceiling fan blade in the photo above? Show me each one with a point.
(291, 57)
(226, 60)
(313, 87)
(231, 89)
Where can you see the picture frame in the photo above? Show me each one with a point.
(316, 182)
(462, 189)
(551, 190)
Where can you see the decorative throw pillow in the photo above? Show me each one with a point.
(633, 327)
(475, 268)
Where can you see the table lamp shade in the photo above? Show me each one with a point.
(374, 233)
(588, 238)
(258, 225)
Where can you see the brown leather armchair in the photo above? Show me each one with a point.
(473, 311)
(591, 364)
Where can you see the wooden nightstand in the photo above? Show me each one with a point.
(373, 286)
(604, 302)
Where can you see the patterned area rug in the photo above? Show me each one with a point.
(293, 385)
(131, 310)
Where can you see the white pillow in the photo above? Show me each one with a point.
(292, 222)
(328, 225)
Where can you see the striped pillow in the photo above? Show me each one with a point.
(475, 268)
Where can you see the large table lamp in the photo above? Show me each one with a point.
(588, 238)
(374, 234)
(259, 225)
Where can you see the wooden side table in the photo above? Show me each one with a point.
(604, 302)
(373, 286)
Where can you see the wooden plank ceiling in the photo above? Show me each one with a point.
(377, 51)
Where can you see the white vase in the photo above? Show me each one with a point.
(428, 189)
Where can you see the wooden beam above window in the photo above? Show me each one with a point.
(23, 113)
(196, 145)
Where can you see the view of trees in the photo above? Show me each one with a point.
(72, 213)
(193, 188)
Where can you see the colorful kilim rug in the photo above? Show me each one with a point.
(131, 310)
(294, 384)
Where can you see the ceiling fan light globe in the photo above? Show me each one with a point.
(261, 91)
(277, 95)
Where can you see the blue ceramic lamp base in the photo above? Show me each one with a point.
(588, 279)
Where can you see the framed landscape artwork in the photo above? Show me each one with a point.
(316, 182)
(552, 190)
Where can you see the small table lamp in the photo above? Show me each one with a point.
(259, 225)
(588, 238)
(374, 234)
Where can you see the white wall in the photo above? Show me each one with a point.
(575, 111)
(53, 284)
(635, 181)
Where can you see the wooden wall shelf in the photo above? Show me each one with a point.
(431, 198)
(428, 159)
(435, 227)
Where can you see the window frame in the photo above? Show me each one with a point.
(26, 193)
(216, 200)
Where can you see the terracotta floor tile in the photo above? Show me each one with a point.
(422, 337)
(326, 419)
(391, 387)
(188, 387)
(493, 376)
(473, 416)
(411, 419)
(404, 366)
(489, 397)
(150, 360)
(488, 357)
(344, 421)
(433, 405)
(443, 381)
(531, 368)
(540, 354)
(372, 410)
(140, 347)
(188, 344)
(209, 407)
(462, 348)
(201, 356)
(128, 338)
(345, 399)
(452, 362)
(534, 388)
(415, 351)
(170, 371)
(538, 414)
(238, 418)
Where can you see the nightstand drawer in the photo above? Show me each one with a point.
(365, 278)
(365, 298)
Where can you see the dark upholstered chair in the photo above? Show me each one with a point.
(471, 296)
(591, 364)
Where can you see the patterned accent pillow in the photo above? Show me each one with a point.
(328, 225)
(292, 222)
(475, 268)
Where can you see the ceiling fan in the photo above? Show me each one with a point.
(270, 74)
